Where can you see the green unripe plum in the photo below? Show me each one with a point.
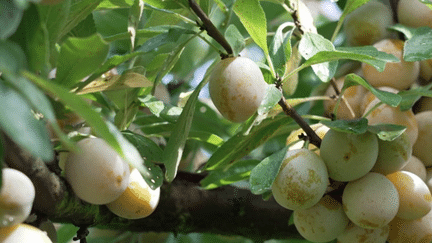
(413, 13)
(414, 196)
(356, 234)
(302, 180)
(423, 145)
(349, 156)
(322, 222)
(393, 155)
(237, 88)
(16, 197)
(398, 75)
(368, 24)
(371, 202)
(96, 172)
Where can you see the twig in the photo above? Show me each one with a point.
(210, 28)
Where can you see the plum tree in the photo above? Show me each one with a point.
(206, 101)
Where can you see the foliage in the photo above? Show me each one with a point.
(104, 59)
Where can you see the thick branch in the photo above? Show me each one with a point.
(210, 28)
(183, 208)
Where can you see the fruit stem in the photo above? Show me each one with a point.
(210, 28)
(291, 112)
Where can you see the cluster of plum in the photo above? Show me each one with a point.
(16, 201)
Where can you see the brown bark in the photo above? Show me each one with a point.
(183, 208)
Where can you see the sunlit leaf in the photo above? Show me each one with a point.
(419, 46)
(387, 132)
(264, 174)
(253, 19)
(238, 172)
(356, 126)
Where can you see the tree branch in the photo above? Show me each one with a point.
(183, 208)
(210, 28)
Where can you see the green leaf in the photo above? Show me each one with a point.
(235, 39)
(280, 47)
(312, 44)
(366, 54)
(10, 18)
(79, 106)
(206, 137)
(252, 16)
(226, 176)
(80, 57)
(166, 4)
(174, 149)
(171, 36)
(32, 36)
(66, 232)
(388, 98)
(387, 132)
(12, 57)
(264, 174)
(427, 2)
(151, 153)
(356, 126)
(166, 111)
(407, 31)
(271, 98)
(240, 145)
(350, 6)
(79, 10)
(419, 47)
(21, 125)
(107, 4)
(109, 64)
(409, 97)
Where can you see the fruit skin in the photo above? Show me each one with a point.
(416, 167)
(322, 222)
(414, 13)
(353, 96)
(370, 202)
(348, 156)
(356, 234)
(398, 75)
(414, 196)
(97, 174)
(16, 197)
(423, 145)
(302, 180)
(137, 201)
(391, 115)
(318, 128)
(411, 231)
(23, 233)
(237, 88)
(393, 155)
(368, 23)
